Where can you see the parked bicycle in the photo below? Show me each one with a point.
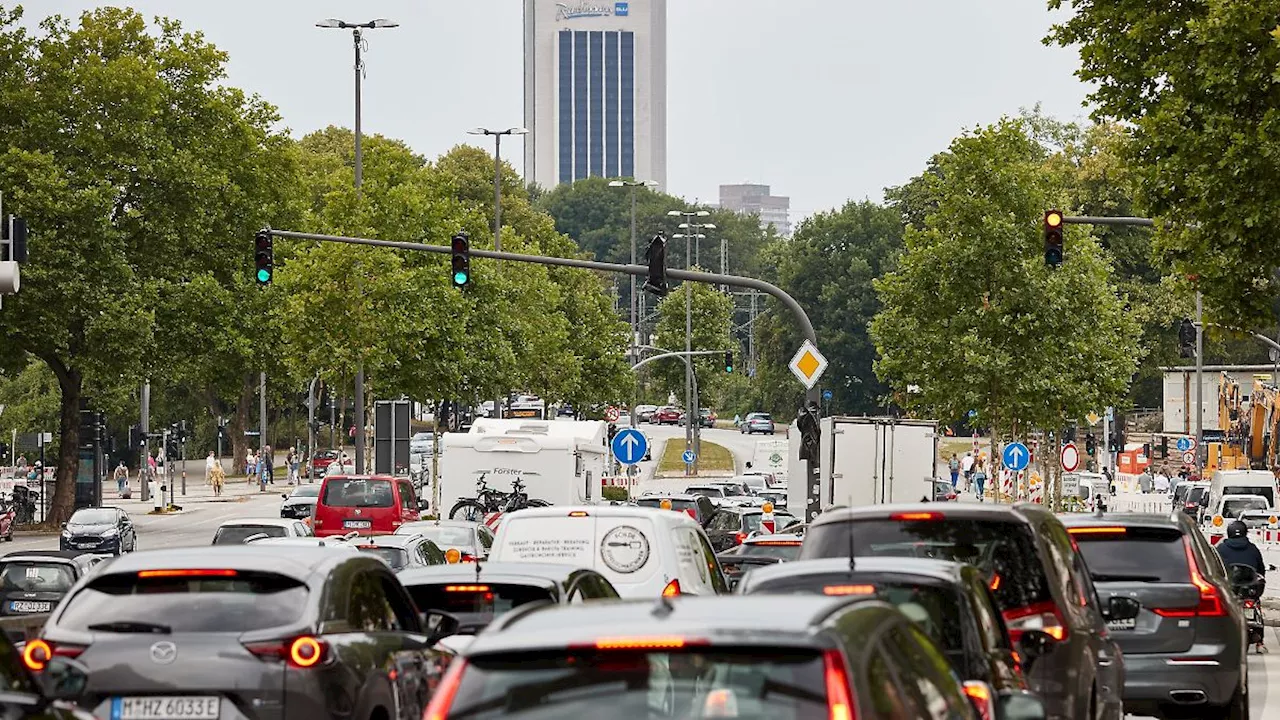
(489, 500)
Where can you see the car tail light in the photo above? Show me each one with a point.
(1210, 604)
(198, 572)
(1098, 530)
(849, 590)
(442, 701)
(641, 642)
(301, 652)
(672, 589)
(778, 543)
(839, 698)
(980, 695)
(466, 588)
(36, 653)
(1250, 603)
(915, 516)
(468, 557)
(1044, 617)
(951, 496)
(995, 582)
(739, 538)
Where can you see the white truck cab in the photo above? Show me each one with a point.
(644, 552)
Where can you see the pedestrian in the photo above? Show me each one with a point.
(954, 464)
(248, 461)
(966, 466)
(980, 478)
(291, 463)
(21, 462)
(1161, 482)
(1145, 481)
(209, 462)
(217, 477)
(122, 479)
(269, 461)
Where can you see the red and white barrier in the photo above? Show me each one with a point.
(492, 520)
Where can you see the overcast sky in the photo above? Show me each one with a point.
(824, 100)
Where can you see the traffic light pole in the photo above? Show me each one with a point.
(801, 318)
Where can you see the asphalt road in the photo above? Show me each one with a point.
(1264, 680)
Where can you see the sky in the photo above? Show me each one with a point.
(824, 100)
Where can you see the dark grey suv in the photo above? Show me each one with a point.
(1041, 586)
(1186, 650)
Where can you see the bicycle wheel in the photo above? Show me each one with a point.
(535, 502)
(468, 510)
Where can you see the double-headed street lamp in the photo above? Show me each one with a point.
(691, 412)
(357, 34)
(497, 203)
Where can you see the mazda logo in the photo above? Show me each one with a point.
(164, 652)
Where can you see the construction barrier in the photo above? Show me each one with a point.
(1140, 503)
(1035, 491)
(492, 520)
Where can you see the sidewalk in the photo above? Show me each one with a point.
(234, 490)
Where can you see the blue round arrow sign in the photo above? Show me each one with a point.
(629, 446)
(1184, 444)
(1015, 456)
(688, 457)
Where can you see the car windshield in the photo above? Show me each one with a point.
(1135, 554)
(1002, 548)
(751, 521)
(348, 492)
(34, 576)
(781, 549)
(760, 416)
(397, 558)
(1233, 507)
(493, 598)
(1258, 490)
(732, 490)
(306, 491)
(240, 602)
(686, 506)
(753, 481)
(705, 491)
(763, 682)
(93, 516)
(237, 534)
(446, 535)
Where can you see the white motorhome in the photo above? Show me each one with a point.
(559, 461)
(868, 461)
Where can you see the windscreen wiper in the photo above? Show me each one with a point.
(132, 626)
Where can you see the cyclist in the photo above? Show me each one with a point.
(1238, 550)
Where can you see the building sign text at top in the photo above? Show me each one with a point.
(567, 11)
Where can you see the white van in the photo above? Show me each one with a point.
(1230, 508)
(644, 552)
(1243, 482)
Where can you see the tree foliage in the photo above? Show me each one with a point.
(710, 311)
(973, 319)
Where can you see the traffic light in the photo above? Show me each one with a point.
(14, 229)
(1090, 445)
(1187, 338)
(461, 260)
(656, 256)
(728, 361)
(263, 257)
(807, 421)
(1053, 250)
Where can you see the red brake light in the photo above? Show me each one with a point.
(658, 642)
(1097, 530)
(995, 582)
(442, 700)
(1041, 616)
(910, 516)
(468, 557)
(779, 543)
(672, 589)
(740, 538)
(466, 588)
(839, 699)
(980, 694)
(199, 572)
(849, 590)
(1210, 604)
(301, 652)
(1250, 603)
(38, 652)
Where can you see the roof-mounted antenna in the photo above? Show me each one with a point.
(851, 548)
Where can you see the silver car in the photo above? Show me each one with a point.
(757, 423)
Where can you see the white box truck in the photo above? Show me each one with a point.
(869, 461)
(560, 462)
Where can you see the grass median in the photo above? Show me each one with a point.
(715, 458)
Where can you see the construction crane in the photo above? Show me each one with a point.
(1264, 425)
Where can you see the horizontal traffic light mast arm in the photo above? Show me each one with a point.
(802, 319)
(673, 353)
(1091, 220)
(1260, 337)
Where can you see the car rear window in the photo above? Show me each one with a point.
(679, 505)
(346, 492)
(1002, 549)
(705, 491)
(236, 603)
(1232, 507)
(1134, 554)
(23, 576)
(395, 557)
(446, 536)
(780, 550)
(766, 682)
(751, 521)
(1259, 490)
(1196, 494)
(237, 534)
(493, 598)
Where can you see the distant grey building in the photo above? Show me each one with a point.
(747, 199)
(595, 90)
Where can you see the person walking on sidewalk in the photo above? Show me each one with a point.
(954, 465)
(269, 462)
(122, 479)
(979, 483)
(209, 462)
(217, 477)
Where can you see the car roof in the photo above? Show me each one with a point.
(442, 523)
(298, 562)
(52, 555)
(100, 507)
(1017, 512)
(944, 570)
(307, 541)
(268, 521)
(786, 537)
(736, 619)
(1174, 520)
(634, 511)
(393, 541)
(655, 495)
(543, 575)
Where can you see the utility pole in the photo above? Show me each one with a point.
(144, 461)
(1200, 452)
(751, 336)
(262, 422)
(311, 425)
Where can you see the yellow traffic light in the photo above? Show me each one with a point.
(1053, 219)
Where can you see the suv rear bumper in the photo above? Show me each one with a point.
(1157, 679)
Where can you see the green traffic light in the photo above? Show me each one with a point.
(459, 278)
(728, 368)
(264, 275)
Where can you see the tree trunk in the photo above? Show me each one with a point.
(240, 419)
(71, 385)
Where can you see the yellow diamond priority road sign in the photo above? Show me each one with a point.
(1093, 418)
(808, 365)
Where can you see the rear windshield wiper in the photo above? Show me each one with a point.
(132, 626)
(1104, 577)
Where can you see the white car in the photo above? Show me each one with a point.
(643, 552)
(336, 543)
(235, 532)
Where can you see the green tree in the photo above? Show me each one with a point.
(710, 312)
(136, 170)
(1196, 83)
(974, 320)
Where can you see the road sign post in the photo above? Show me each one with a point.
(629, 446)
(1015, 456)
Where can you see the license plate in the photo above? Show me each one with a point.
(86, 544)
(30, 607)
(357, 524)
(166, 708)
(1129, 624)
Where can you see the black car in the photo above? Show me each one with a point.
(1041, 585)
(725, 656)
(950, 601)
(301, 503)
(99, 530)
(48, 695)
(34, 581)
(476, 593)
(1186, 649)
(403, 552)
(732, 525)
(230, 631)
(698, 507)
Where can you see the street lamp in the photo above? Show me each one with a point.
(691, 412)
(497, 202)
(357, 35)
(635, 312)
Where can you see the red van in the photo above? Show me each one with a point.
(367, 504)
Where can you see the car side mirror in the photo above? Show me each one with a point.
(63, 679)
(284, 495)
(64, 526)
(1122, 608)
(1020, 706)
(440, 624)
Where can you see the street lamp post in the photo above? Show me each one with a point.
(691, 412)
(497, 203)
(635, 328)
(357, 35)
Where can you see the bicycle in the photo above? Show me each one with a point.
(489, 500)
